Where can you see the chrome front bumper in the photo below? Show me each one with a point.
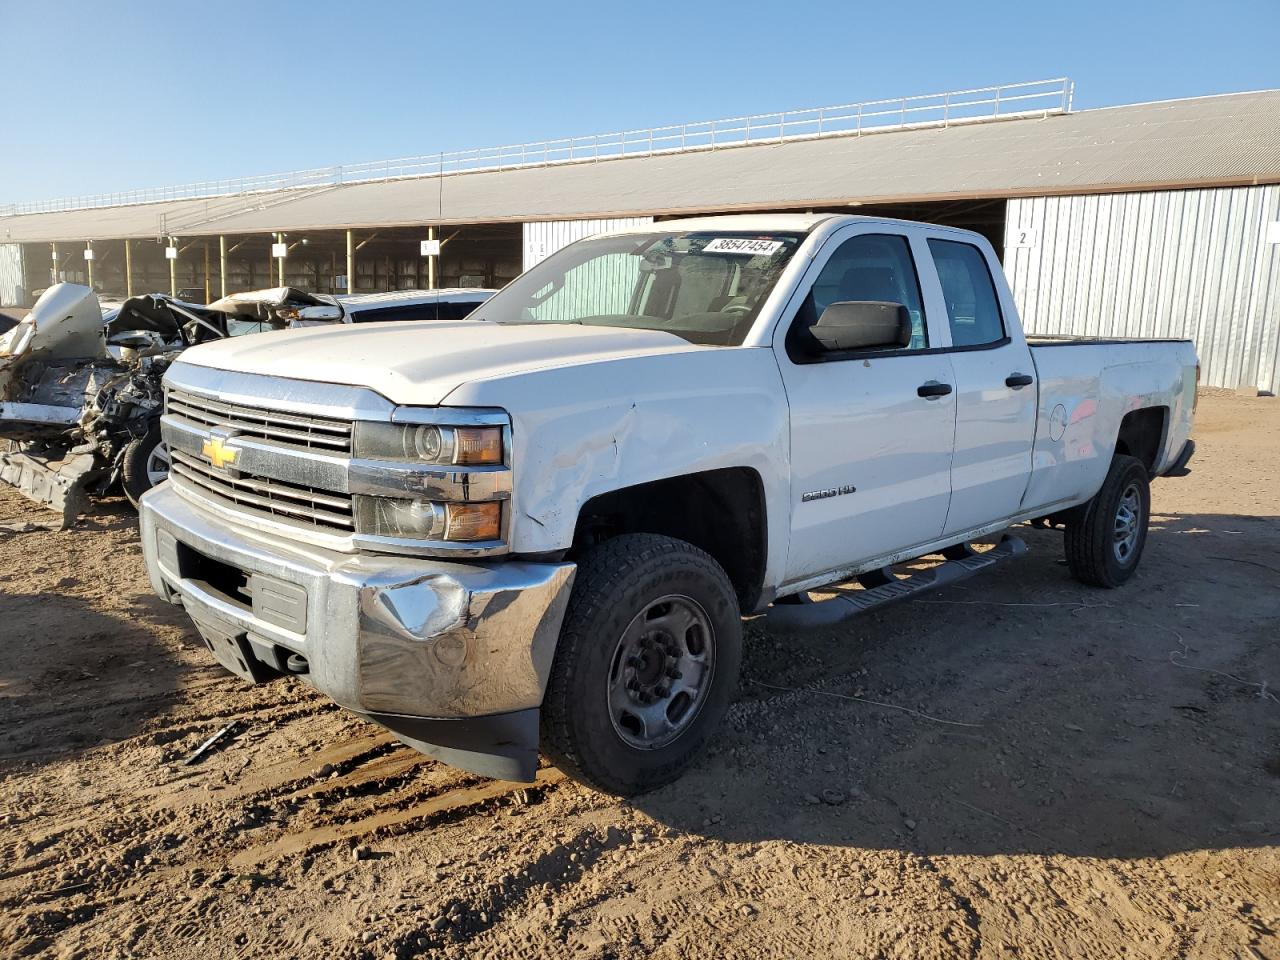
(403, 640)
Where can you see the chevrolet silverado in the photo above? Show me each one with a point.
(539, 528)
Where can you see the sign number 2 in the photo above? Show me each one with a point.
(1024, 238)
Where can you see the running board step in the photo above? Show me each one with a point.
(881, 587)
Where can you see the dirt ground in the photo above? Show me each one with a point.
(1063, 772)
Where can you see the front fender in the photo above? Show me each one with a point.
(583, 430)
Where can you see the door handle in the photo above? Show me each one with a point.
(932, 390)
(1016, 380)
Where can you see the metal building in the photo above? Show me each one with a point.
(1149, 219)
(1199, 264)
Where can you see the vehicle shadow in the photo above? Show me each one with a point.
(1019, 712)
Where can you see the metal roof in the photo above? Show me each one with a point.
(1206, 141)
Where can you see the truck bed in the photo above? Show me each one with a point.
(1084, 395)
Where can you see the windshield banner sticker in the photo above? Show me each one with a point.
(744, 246)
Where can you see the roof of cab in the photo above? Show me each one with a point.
(763, 222)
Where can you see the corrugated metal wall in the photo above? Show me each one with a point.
(12, 284)
(1202, 264)
(545, 237)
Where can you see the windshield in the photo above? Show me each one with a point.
(706, 287)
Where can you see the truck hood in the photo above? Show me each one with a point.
(415, 363)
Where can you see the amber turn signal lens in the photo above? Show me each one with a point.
(473, 521)
(477, 445)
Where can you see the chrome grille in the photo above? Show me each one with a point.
(322, 510)
(322, 434)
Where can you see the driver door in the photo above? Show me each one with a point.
(872, 431)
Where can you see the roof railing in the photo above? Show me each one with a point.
(1006, 101)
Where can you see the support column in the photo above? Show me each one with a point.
(128, 270)
(351, 262)
(207, 291)
(88, 263)
(280, 261)
(222, 264)
(53, 269)
(173, 270)
(431, 262)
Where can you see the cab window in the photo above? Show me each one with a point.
(867, 267)
(973, 309)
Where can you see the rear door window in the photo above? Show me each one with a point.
(973, 308)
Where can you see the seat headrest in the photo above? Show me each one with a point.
(870, 283)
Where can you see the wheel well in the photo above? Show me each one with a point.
(719, 511)
(1142, 434)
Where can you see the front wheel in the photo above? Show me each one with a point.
(145, 464)
(1105, 537)
(646, 664)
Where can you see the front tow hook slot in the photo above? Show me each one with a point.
(297, 663)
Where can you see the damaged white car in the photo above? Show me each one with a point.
(80, 397)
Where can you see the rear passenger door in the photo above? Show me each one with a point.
(995, 386)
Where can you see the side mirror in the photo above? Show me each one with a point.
(863, 325)
(320, 313)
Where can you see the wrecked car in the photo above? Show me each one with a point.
(80, 396)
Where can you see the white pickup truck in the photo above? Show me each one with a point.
(540, 527)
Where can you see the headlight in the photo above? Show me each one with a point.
(428, 443)
(414, 519)
(433, 481)
(428, 520)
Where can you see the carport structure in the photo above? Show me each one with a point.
(1152, 219)
(206, 267)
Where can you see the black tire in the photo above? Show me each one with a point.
(1093, 538)
(135, 475)
(622, 586)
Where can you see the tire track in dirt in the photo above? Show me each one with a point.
(443, 806)
(282, 772)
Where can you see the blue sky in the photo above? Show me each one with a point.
(110, 96)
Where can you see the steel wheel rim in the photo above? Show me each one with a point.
(158, 461)
(661, 672)
(1128, 524)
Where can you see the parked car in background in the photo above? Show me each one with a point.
(391, 307)
(541, 526)
(451, 303)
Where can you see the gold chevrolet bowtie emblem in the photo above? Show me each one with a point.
(219, 454)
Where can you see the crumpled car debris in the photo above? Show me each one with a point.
(80, 393)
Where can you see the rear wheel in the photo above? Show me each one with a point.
(145, 464)
(647, 661)
(1105, 537)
